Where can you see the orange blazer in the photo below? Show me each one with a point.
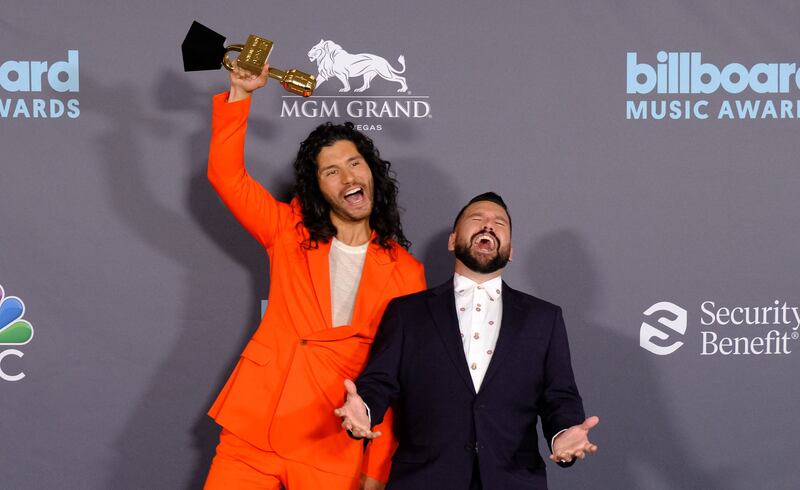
(289, 379)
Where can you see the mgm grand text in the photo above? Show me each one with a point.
(358, 108)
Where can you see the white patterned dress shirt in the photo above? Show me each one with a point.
(480, 312)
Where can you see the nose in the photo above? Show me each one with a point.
(347, 176)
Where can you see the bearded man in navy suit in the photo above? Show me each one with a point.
(469, 367)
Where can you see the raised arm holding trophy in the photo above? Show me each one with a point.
(204, 49)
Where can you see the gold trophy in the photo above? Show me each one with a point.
(204, 49)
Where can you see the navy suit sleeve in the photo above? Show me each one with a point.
(379, 385)
(560, 404)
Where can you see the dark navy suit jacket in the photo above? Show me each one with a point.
(418, 365)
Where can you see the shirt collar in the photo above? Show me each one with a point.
(464, 285)
(353, 249)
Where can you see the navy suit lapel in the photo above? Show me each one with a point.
(510, 326)
(442, 305)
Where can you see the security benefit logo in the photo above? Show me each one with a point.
(685, 85)
(32, 89)
(671, 320)
(725, 330)
(14, 332)
(386, 91)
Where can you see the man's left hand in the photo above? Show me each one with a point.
(574, 442)
(369, 483)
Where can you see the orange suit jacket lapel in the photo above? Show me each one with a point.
(319, 268)
(378, 267)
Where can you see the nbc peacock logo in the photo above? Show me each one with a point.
(14, 331)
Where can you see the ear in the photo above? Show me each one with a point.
(451, 242)
(511, 254)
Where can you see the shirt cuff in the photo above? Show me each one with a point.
(552, 441)
(369, 415)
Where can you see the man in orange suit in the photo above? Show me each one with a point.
(337, 256)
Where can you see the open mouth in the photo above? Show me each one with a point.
(485, 242)
(354, 196)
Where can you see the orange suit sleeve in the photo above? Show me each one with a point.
(255, 208)
(378, 456)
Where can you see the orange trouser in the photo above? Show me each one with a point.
(238, 465)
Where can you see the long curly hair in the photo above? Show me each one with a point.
(385, 216)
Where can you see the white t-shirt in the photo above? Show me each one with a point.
(346, 263)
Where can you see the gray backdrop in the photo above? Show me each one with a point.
(142, 289)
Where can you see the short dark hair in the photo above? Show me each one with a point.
(486, 196)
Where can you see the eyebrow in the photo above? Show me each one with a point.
(481, 214)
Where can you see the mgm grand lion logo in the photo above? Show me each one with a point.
(334, 62)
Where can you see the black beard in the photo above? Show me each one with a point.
(497, 262)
